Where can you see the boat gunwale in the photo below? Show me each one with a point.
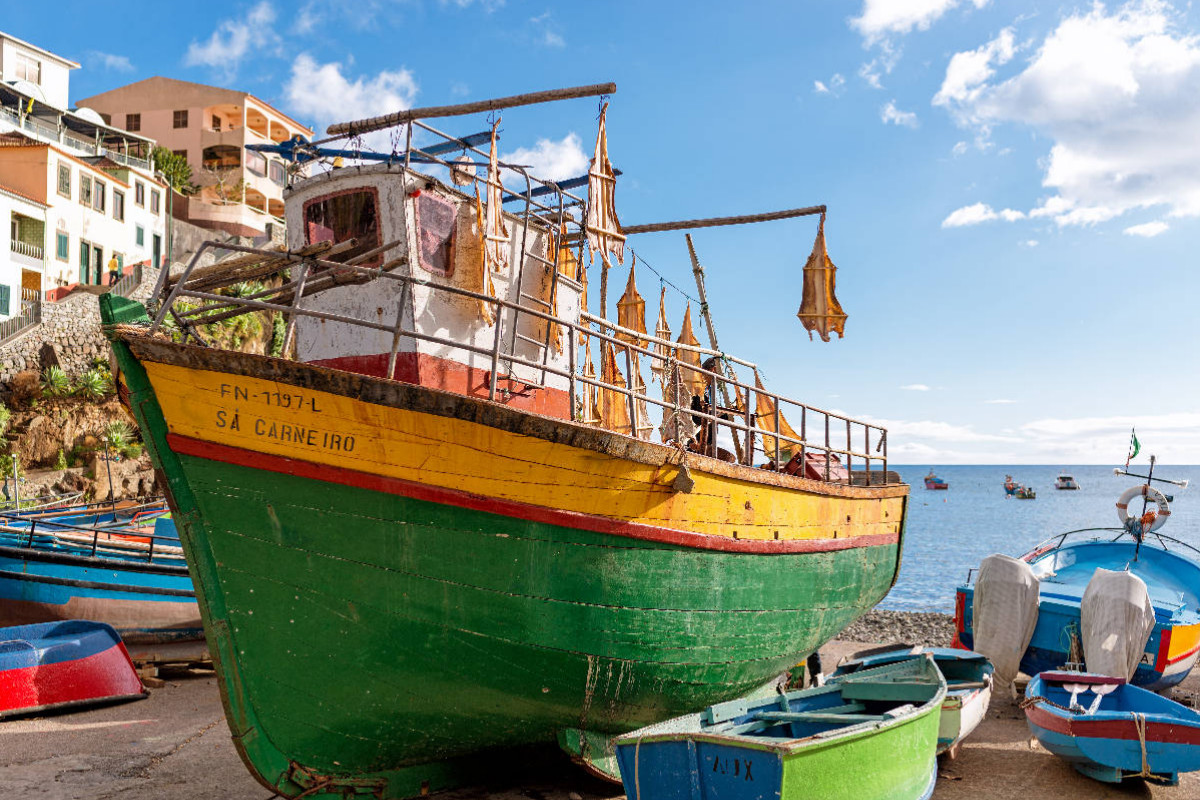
(422, 399)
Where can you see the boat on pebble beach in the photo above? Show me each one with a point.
(439, 488)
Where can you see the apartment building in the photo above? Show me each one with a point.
(75, 191)
(241, 191)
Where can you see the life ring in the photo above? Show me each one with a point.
(1152, 520)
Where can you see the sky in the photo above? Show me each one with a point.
(1013, 187)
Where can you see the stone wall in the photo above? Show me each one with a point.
(72, 327)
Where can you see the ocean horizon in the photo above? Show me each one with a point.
(949, 532)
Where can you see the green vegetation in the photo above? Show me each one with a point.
(278, 331)
(93, 385)
(118, 435)
(61, 463)
(5, 416)
(175, 169)
(55, 382)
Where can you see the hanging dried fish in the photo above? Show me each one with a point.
(631, 312)
(591, 413)
(486, 310)
(658, 366)
(819, 309)
(614, 405)
(495, 232)
(694, 381)
(764, 412)
(603, 228)
(677, 425)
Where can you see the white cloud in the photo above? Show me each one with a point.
(1147, 229)
(1029, 243)
(883, 18)
(550, 160)
(959, 148)
(233, 39)
(110, 61)
(869, 72)
(937, 431)
(889, 113)
(836, 82)
(323, 93)
(999, 402)
(916, 387)
(1118, 95)
(546, 31)
(980, 212)
(820, 88)
(1174, 438)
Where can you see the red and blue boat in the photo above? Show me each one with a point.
(1109, 730)
(932, 481)
(54, 666)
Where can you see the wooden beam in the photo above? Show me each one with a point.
(400, 117)
(713, 222)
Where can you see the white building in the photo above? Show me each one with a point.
(78, 190)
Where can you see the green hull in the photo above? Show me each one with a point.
(370, 642)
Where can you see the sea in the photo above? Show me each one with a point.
(949, 532)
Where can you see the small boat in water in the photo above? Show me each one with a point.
(1025, 493)
(1109, 730)
(1054, 580)
(1065, 481)
(58, 665)
(932, 481)
(968, 685)
(1010, 486)
(799, 744)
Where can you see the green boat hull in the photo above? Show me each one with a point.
(371, 643)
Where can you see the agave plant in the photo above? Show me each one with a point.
(92, 385)
(55, 382)
(118, 435)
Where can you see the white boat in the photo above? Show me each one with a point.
(1065, 481)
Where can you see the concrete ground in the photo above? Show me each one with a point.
(176, 745)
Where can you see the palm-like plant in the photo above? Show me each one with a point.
(55, 382)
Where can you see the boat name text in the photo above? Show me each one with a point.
(279, 399)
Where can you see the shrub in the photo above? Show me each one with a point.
(91, 385)
(132, 451)
(278, 331)
(118, 435)
(5, 416)
(55, 382)
(61, 463)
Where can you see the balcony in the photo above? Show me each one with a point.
(30, 251)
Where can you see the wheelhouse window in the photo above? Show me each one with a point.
(346, 215)
(437, 219)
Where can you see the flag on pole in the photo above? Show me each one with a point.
(1135, 447)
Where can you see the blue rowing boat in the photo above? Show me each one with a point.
(968, 685)
(1063, 566)
(1110, 730)
(870, 735)
(134, 578)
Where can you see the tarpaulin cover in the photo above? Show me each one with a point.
(1116, 621)
(1005, 613)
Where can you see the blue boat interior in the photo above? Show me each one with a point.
(25, 646)
(963, 670)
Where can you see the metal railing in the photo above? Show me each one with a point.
(29, 316)
(111, 543)
(128, 160)
(27, 249)
(826, 444)
(127, 283)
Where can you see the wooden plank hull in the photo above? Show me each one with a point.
(463, 576)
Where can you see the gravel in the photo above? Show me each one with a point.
(909, 627)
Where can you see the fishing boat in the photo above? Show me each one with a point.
(1060, 570)
(1110, 730)
(132, 579)
(54, 666)
(932, 481)
(439, 489)
(1065, 481)
(968, 685)
(1025, 493)
(41, 502)
(1010, 486)
(869, 734)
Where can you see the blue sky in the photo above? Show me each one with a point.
(1013, 187)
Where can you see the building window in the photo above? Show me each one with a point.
(155, 201)
(180, 119)
(139, 194)
(85, 189)
(29, 68)
(5, 294)
(133, 122)
(64, 247)
(140, 236)
(118, 205)
(99, 196)
(222, 156)
(216, 122)
(347, 215)
(181, 153)
(256, 163)
(278, 173)
(64, 180)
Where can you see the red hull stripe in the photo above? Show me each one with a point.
(107, 674)
(569, 519)
(1112, 729)
(1183, 656)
